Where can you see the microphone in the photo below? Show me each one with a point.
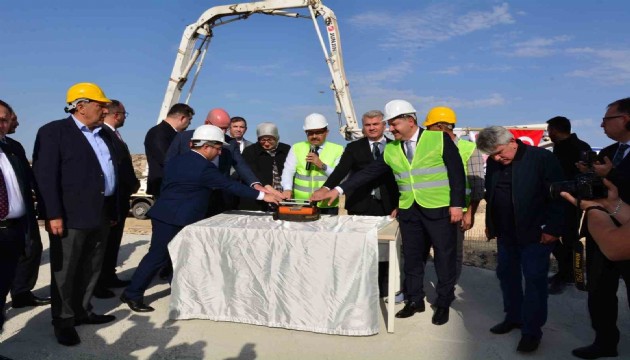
(309, 164)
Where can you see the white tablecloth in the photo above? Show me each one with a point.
(316, 276)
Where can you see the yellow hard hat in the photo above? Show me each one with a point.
(440, 114)
(86, 91)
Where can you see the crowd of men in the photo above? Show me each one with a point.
(429, 179)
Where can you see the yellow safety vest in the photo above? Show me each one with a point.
(425, 180)
(306, 182)
(466, 149)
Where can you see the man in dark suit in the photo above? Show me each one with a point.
(189, 178)
(17, 213)
(127, 184)
(159, 138)
(430, 177)
(526, 221)
(603, 274)
(75, 169)
(230, 157)
(28, 268)
(376, 198)
(238, 127)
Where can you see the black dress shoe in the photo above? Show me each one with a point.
(594, 351)
(411, 307)
(115, 282)
(527, 344)
(557, 286)
(504, 327)
(95, 319)
(103, 293)
(440, 316)
(137, 306)
(67, 336)
(28, 299)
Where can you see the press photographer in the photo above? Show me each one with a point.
(603, 274)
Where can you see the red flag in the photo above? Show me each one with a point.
(528, 137)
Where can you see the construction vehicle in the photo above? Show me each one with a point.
(196, 39)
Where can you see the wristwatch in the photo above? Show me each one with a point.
(324, 167)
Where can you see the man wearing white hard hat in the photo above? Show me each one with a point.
(430, 177)
(188, 180)
(310, 162)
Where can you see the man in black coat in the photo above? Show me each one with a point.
(75, 169)
(17, 213)
(603, 274)
(526, 221)
(28, 268)
(159, 138)
(568, 149)
(266, 159)
(127, 185)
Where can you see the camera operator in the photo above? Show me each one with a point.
(613, 239)
(568, 149)
(602, 273)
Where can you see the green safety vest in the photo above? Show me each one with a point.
(306, 182)
(425, 180)
(466, 149)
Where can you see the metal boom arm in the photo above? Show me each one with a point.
(201, 30)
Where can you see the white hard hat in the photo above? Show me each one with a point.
(315, 121)
(396, 108)
(208, 133)
(267, 129)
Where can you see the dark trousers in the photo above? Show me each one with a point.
(603, 283)
(76, 260)
(11, 247)
(563, 251)
(28, 268)
(110, 261)
(420, 232)
(154, 260)
(531, 262)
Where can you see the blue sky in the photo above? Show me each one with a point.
(493, 62)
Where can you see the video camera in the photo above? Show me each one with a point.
(587, 186)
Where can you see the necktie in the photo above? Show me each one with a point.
(410, 149)
(4, 197)
(376, 153)
(621, 150)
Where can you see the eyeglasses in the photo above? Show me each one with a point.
(216, 147)
(606, 118)
(122, 112)
(269, 140)
(315, 132)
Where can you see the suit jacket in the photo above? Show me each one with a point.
(454, 168)
(24, 173)
(156, 144)
(356, 157)
(69, 176)
(261, 164)
(620, 176)
(228, 158)
(127, 183)
(188, 182)
(533, 171)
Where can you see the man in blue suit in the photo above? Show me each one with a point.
(185, 196)
(73, 162)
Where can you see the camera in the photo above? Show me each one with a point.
(585, 187)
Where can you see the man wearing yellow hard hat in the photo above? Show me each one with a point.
(77, 177)
(442, 118)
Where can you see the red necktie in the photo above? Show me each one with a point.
(4, 197)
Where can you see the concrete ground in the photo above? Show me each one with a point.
(28, 333)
